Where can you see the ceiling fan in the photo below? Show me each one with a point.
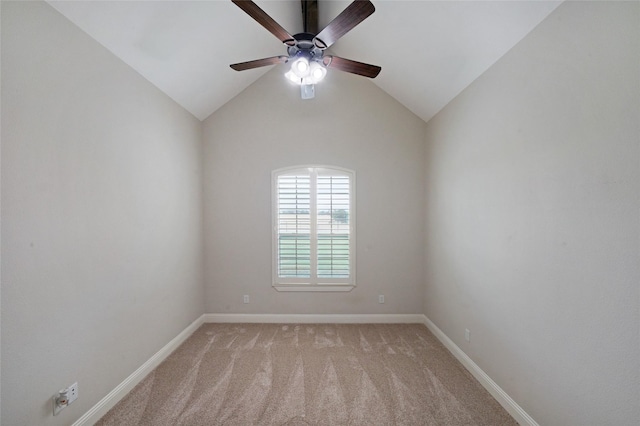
(306, 50)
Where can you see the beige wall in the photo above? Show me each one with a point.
(101, 217)
(351, 123)
(529, 190)
(532, 231)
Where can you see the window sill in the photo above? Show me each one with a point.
(314, 287)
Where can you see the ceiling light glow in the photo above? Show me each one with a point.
(317, 71)
(293, 78)
(304, 72)
(302, 65)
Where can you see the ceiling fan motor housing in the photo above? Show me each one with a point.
(305, 47)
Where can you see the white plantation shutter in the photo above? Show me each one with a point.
(313, 229)
(333, 226)
(294, 226)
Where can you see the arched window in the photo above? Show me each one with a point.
(313, 229)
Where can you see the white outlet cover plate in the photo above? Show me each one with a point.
(73, 392)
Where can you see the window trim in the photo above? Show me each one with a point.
(314, 284)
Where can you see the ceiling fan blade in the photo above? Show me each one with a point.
(265, 20)
(353, 67)
(355, 13)
(259, 63)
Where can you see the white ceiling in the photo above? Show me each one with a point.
(429, 51)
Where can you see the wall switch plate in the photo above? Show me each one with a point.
(381, 298)
(467, 335)
(245, 299)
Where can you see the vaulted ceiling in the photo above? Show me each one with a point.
(429, 51)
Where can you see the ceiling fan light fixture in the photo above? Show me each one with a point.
(304, 72)
(292, 77)
(300, 67)
(317, 72)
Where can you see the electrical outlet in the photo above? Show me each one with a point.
(381, 298)
(467, 335)
(246, 298)
(64, 398)
(72, 394)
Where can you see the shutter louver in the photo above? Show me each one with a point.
(294, 226)
(333, 225)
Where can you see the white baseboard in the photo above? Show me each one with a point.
(317, 318)
(106, 403)
(492, 387)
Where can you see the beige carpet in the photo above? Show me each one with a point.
(309, 374)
